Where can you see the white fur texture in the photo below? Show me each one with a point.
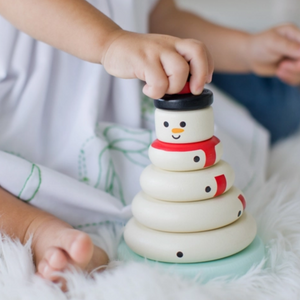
(277, 211)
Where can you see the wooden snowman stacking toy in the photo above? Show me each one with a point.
(188, 211)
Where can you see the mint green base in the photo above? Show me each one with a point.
(232, 266)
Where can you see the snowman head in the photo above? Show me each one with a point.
(184, 118)
(183, 127)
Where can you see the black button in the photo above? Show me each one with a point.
(196, 159)
(179, 254)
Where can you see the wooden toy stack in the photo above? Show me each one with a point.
(188, 210)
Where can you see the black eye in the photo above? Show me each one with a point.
(179, 254)
(207, 189)
(166, 124)
(182, 124)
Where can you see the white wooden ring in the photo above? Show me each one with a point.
(187, 186)
(190, 247)
(185, 157)
(189, 216)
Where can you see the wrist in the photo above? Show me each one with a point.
(244, 50)
(230, 51)
(113, 36)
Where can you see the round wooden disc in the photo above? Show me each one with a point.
(189, 216)
(187, 186)
(190, 247)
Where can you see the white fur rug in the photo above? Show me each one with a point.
(276, 208)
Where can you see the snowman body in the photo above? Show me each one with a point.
(189, 210)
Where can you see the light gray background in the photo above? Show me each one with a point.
(250, 15)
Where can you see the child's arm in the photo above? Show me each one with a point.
(273, 52)
(77, 27)
(73, 26)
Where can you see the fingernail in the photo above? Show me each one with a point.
(53, 258)
(46, 270)
(198, 91)
(42, 268)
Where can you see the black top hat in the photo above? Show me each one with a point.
(185, 101)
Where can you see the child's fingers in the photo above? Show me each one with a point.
(283, 45)
(289, 71)
(201, 65)
(201, 73)
(290, 31)
(177, 69)
(156, 80)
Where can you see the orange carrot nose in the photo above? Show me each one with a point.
(177, 130)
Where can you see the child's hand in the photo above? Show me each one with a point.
(163, 62)
(276, 52)
(289, 71)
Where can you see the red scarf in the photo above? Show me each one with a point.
(207, 146)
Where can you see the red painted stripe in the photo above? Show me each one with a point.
(210, 155)
(242, 199)
(186, 89)
(221, 185)
(206, 146)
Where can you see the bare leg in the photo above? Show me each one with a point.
(55, 244)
